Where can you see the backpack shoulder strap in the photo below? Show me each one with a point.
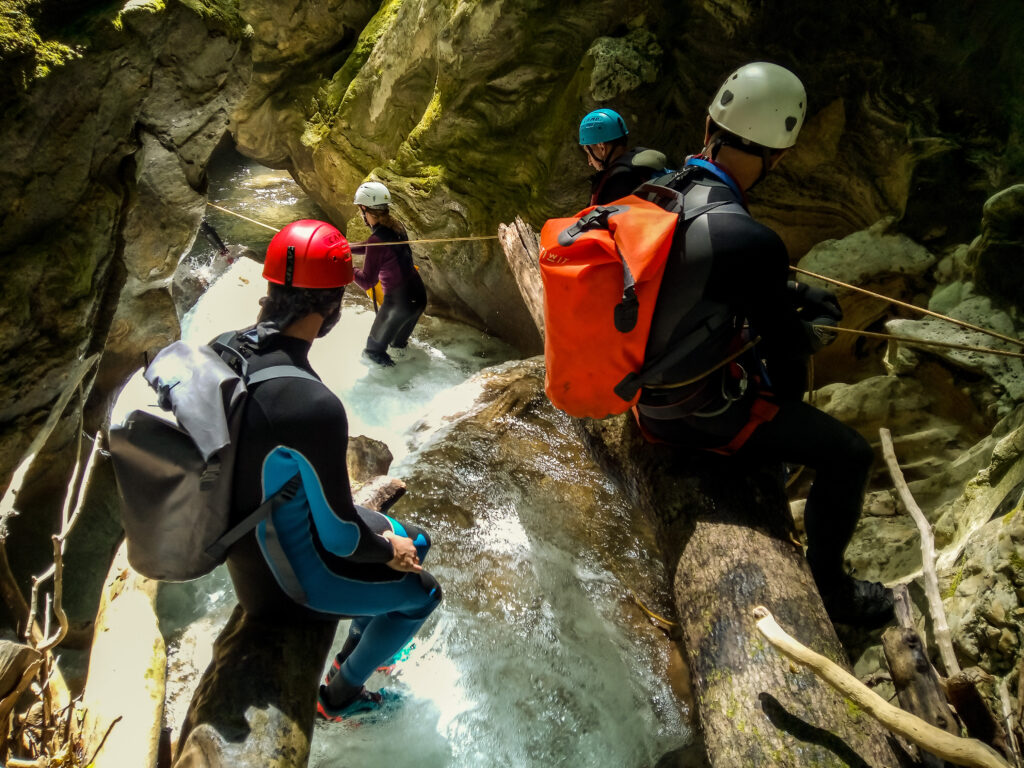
(686, 308)
(279, 372)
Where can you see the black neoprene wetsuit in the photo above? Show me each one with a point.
(318, 555)
(749, 270)
(619, 179)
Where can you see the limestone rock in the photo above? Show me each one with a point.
(878, 259)
(998, 253)
(986, 604)
(79, 207)
(367, 458)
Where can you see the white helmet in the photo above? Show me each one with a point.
(763, 103)
(374, 195)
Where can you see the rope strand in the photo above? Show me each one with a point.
(924, 342)
(913, 307)
(366, 245)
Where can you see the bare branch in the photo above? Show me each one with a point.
(931, 581)
(968, 752)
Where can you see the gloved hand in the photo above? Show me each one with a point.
(817, 334)
(812, 303)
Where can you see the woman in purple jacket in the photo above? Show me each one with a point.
(405, 297)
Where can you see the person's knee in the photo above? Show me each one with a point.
(859, 452)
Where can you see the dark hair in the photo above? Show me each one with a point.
(384, 218)
(284, 305)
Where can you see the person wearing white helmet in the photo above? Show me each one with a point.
(739, 336)
(405, 297)
(620, 170)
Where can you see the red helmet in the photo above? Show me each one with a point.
(309, 254)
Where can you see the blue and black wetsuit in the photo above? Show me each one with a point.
(318, 555)
(748, 274)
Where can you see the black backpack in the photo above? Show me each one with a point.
(174, 460)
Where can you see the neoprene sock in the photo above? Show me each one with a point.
(340, 692)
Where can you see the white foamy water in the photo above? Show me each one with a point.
(536, 657)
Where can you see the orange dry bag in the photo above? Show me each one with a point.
(602, 270)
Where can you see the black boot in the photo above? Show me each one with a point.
(866, 604)
(380, 358)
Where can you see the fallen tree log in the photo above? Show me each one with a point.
(124, 690)
(726, 538)
(255, 703)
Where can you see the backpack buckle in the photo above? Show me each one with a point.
(596, 219)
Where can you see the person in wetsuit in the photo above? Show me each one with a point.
(620, 170)
(405, 297)
(748, 335)
(317, 556)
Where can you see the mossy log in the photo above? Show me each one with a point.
(726, 536)
(124, 690)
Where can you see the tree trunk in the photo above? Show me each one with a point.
(917, 685)
(725, 535)
(255, 704)
(124, 691)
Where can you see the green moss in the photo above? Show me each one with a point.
(1017, 561)
(955, 583)
(326, 104)
(223, 12)
(855, 712)
(23, 52)
(430, 114)
(150, 6)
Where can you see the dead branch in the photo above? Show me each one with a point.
(931, 581)
(1004, 699)
(521, 244)
(967, 752)
(7, 509)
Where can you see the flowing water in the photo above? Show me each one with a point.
(537, 656)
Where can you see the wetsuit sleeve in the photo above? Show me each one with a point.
(369, 274)
(311, 428)
(784, 344)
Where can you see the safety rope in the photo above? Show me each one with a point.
(366, 245)
(913, 307)
(924, 342)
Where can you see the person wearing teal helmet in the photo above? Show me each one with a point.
(603, 136)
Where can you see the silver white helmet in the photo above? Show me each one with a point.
(373, 195)
(763, 103)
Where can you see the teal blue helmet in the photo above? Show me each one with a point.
(602, 125)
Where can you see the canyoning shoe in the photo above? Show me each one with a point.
(380, 358)
(335, 666)
(360, 706)
(866, 604)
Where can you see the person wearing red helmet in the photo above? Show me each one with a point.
(317, 556)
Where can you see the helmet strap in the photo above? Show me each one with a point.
(597, 159)
(289, 268)
(766, 154)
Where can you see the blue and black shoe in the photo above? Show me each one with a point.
(363, 703)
